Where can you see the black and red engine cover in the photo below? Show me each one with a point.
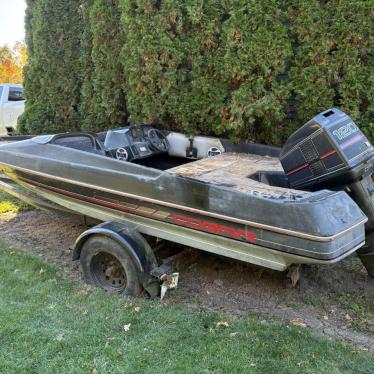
(328, 151)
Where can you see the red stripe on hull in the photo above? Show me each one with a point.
(180, 220)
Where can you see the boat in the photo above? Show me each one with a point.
(309, 202)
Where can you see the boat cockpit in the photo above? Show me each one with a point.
(249, 168)
(144, 144)
(329, 151)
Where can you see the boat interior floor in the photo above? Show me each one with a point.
(257, 175)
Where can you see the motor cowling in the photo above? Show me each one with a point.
(327, 152)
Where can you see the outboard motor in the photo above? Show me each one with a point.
(330, 151)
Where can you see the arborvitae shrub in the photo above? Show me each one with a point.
(108, 106)
(257, 47)
(333, 61)
(152, 56)
(86, 104)
(245, 69)
(52, 79)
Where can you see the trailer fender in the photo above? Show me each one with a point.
(130, 239)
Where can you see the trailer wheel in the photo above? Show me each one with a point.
(106, 264)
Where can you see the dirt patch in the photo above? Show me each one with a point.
(45, 234)
(336, 300)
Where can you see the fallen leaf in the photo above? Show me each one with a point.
(94, 371)
(233, 334)
(298, 322)
(348, 317)
(126, 327)
(326, 318)
(222, 324)
(137, 309)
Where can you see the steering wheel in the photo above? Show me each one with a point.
(122, 154)
(158, 140)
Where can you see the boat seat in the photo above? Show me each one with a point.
(86, 142)
(180, 143)
(239, 171)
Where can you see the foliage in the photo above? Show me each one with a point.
(196, 67)
(52, 84)
(151, 54)
(12, 61)
(50, 324)
(103, 97)
(334, 58)
(248, 70)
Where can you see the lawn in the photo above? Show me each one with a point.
(50, 324)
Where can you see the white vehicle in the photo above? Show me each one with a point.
(12, 105)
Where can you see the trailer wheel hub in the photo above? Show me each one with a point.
(108, 272)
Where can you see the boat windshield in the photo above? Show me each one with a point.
(42, 139)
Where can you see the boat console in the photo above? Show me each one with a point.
(135, 142)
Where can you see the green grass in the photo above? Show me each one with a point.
(49, 324)
(362, 311)
(8, 203)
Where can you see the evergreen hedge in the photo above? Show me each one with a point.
(106, 105)
(52, 75)
(244, 69)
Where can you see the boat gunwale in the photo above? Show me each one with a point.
(257, 225)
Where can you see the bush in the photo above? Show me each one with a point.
(103, 102)
(242, 69)
(333, 63)
(52, 73)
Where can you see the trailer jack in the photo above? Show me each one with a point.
(169, 280)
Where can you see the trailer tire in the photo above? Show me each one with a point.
(106, 263)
